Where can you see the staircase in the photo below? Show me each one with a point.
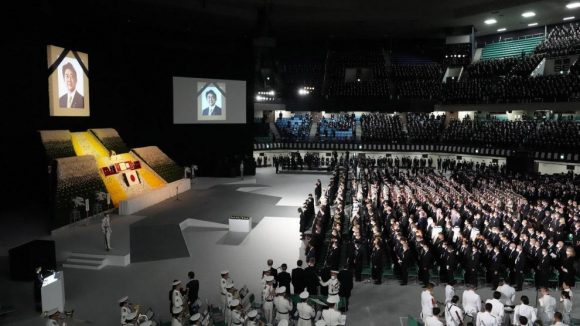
(313, 129)
(274, 131)
(85, 261)
(358, 129)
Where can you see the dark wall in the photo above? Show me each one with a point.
(132, 60)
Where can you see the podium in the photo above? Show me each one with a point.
(52, 292)
(240, 224)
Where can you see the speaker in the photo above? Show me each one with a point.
(25, 258)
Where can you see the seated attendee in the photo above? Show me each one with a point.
(194, 320)
(52, 317)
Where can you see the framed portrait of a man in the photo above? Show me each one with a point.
(68, 82)
(211, 101)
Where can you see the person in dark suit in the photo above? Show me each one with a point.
(404, 262)
(284, 278)
(544, 269)
(519, 267)
(425, 265)
(346, 284)
(192, 293)
(311, 278)
(298, 278)
(568, 270)
(212, 109)
(72, 98)
(356, 260)
(377, 263)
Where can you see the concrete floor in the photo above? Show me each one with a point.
(270, 199)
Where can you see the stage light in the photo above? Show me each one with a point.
(302, 92)
(573, 5)
(358, 79)
(359, 146)
(267, 78)
(562, 157)
(271, 93)
(476, 151)
(532, 24)
(503, 29)
(568, 18)
(528, 14)
(267, 146)
(490, 21)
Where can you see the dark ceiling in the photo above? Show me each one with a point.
(350, 18)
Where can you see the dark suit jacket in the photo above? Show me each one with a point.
(298, 280)
(345, 279)
(77, 103)
(284, 279)
(216, 111)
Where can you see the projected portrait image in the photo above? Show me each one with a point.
(68, 82)
(70, 85)
(211, 101)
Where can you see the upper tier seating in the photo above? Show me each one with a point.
(296, 128)
(511, 48)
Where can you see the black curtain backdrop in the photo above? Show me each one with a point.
(132, 59)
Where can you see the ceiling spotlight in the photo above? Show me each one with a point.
(358, 79)
(302, 92)
(528, 14)
(503, 29)
(490, 21)
(267, 78)
(561, 157)
(532, 24)
(569, 18)
(573, 5)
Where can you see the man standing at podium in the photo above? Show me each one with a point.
(106, 228)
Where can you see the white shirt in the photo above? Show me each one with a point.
(283, 307)
(449, 293)
(508, 294)
(497, 309)
(106, 225)
(426, 304)
(127, 315)
(175, 322)
(332, 317)
(453, 314)
(559, 324)
(548, 304)
(486, 319)
(177, 298)
(526, 311)
(471, 302)
(305, 311)
(433, 321)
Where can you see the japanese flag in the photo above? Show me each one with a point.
(132, 177)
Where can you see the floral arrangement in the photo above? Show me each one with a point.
(57, 143)
(111, 139)
(160, 163)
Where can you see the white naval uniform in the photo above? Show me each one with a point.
(333, 288)
(228, 311)
(237, 319)
(449, 293)
(283, 308)
(331, 317)
(453, 314)
(127, 316)
(508, 294)
(106, 228)
(268, 304)
(566, 310)
(177, 299)
(471, 303)
(526, 311)
(176, 322)
(426, 305)
(433, 321)
(224, 291)
(486, 319)
(548, 308)
(305, 314)
(497, 309)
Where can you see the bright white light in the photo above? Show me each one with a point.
(503, 29)
(267, 78)
(259, 98)
(532, 24)
(272, 93)
(569, 18)
(561, 157)
(358, 79)
(490, 21)
(573, 5)
(302, 92)
(528, 14)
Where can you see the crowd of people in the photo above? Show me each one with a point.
(381, 128)
(489, 132)
(424, 128)
(331, 127)
(295, 129)
(562, 40)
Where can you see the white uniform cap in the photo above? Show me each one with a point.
(283, 322)
(304, 295)
(123, 299)
(195, 317)
(334, 272)
(234, 303)
(332, 299)
(176, 309)
(320, 322)
(281, 290)
(269, 278)
(252, 313)
(176, 282)
(225, 272)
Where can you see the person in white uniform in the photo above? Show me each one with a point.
(52, 317)
(177, 316)
(252, 316)
(558, 320)
(195, 320)
(305, 311)
(497, 307)
(333, 285)
(282, 304)
(268, 294)
(547, 307)
(453, 313)
(331, 316)
(486, 318)
(525, 310)
(127, 314)
(566, 306)
(229, 298)
(427, 302)
(449, 292)
(433, 319)
(236, 319)
(106, 229)
(508, 293)
(471, 302)
(223, 291)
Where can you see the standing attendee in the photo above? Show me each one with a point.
(449, 291)
(242, 169)
(497, 307)
(305, 311)
(282, 304)
(519, 268)
(566, 307)
(311, 278)
(453, 313)
(331, 316)
(332, 283)
(547, 307)
(525, 310)
(284, 278)
(177, 316)
(318, 191)
(485, 318)
(38, 280)
(176, 297)
(192, 293)
(508, 293)
(471, 302)
(568, 269)
(346, 285)
(427, 302)
(225, 276)
(558, 320)
(298, 278)
(433, 320)
(106, 229)
(268, 294)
